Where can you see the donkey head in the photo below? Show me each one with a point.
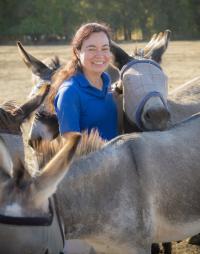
(22, 194)
(12, 148)
(24, 199)
(144, 84)
(44, 123)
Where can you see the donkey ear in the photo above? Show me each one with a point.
(25, 110)
(120, 56)
(157, 46)
(46, 183)
(37, 67)
(5, 159)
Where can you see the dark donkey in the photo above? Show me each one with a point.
(29, 221)
(137, 189)
(148, 107)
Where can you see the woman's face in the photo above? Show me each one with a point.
(95, 53)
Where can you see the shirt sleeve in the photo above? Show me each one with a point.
(67, 107)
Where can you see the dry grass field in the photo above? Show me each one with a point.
(181, 63)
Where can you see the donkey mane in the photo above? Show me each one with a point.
(53, 63)
(155, 48)
(47, 149)
(9, 106)
(7, 113)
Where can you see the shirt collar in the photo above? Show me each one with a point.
(85, 84)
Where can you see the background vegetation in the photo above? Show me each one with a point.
(47, 21)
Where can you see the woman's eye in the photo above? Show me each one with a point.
(92, 49)
(105, 49)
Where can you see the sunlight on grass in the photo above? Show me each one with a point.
(181, 62)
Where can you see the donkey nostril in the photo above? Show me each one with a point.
(157, 115)
(147, 116)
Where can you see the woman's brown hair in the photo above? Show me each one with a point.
(74, 64)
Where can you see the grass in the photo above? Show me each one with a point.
(180, 62)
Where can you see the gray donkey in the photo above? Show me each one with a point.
(137, 189)
(29, 221)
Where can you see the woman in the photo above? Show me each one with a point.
(81, 90)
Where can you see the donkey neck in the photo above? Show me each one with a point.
(47, 149)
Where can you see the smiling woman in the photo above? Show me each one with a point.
(81, 90)
(95, 57)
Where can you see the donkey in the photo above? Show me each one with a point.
(184, 100)
(137, 189)
(149, 104)
(29, 220)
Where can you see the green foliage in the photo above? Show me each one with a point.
(38, 18)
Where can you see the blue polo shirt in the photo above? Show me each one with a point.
(80, 106)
